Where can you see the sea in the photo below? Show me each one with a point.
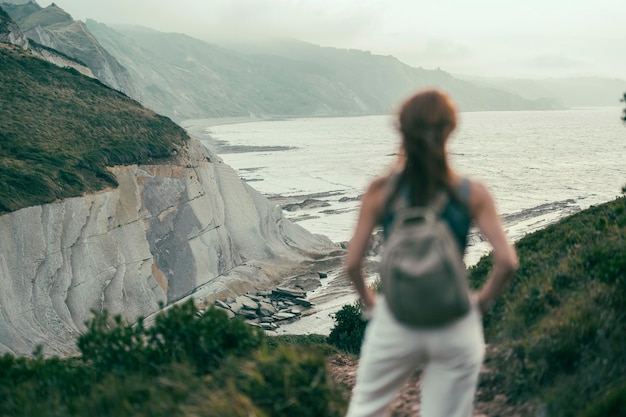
(540, 166)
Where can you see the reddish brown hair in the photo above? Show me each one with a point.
(426, 120)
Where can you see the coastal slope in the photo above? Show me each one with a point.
(123, 214)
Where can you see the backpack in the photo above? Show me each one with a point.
(423, 276)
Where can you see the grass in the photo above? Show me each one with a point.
(189, 363)
(560, 330)
(557, 338)
(557, 335)
(60, 130)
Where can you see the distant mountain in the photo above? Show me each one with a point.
(572, 91)
(187, 78)
(10, 33)
(52, 27)
(182, 77)
(386, 79)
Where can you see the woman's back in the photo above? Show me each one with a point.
(456, 212)
(452, 353)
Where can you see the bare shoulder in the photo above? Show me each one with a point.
(479, 197)
(374, 198)
(378, 185)
(478, 189)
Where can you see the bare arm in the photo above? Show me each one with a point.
(505, 260)
(369, 216)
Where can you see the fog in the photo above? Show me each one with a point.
(535, 38)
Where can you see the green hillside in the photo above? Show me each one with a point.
(559, 332)
(60, 130)
(556, 347)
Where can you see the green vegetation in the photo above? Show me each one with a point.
(347, 335)
(558, 334)
(557, 338)
(559, 331)
(187, 363)
(60, 130)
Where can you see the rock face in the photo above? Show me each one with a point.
(53, 28)
(10, 33)
(167, 231)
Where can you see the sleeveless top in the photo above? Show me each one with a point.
(456, 214)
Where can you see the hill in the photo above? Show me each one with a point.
(183, 77)
(555, 348)
(199, 79)
(385, 79)
(76, 128)
(572, 91)
(54, 28)
(558, 334)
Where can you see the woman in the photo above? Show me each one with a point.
(453, 353)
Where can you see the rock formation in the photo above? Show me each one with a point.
(56, 31)
(164, 233)
(10, 33)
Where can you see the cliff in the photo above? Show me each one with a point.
(10, 33)
(165, 231)
(53, 28)
(107, 205)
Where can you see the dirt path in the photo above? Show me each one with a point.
(489, 403)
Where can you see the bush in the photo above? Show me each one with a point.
(41, 387)
(613, 404)
(290, 381)
(187, 363)
(349, 329)
(181, 334)
(559, 329)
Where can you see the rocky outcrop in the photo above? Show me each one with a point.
(76, 41)
(56, 30)
(10, 33)
(59, 59)
(268, 309)
(166, 232)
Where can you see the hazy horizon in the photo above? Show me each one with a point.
(534, 39)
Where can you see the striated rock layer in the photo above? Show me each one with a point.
(165, 232)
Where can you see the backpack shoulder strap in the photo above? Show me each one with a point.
(391, 192)
(439, 203)
(464, 190)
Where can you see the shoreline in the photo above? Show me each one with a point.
(329, 297)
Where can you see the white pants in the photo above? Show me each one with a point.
(391, 352)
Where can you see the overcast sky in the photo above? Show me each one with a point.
(530, 38)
